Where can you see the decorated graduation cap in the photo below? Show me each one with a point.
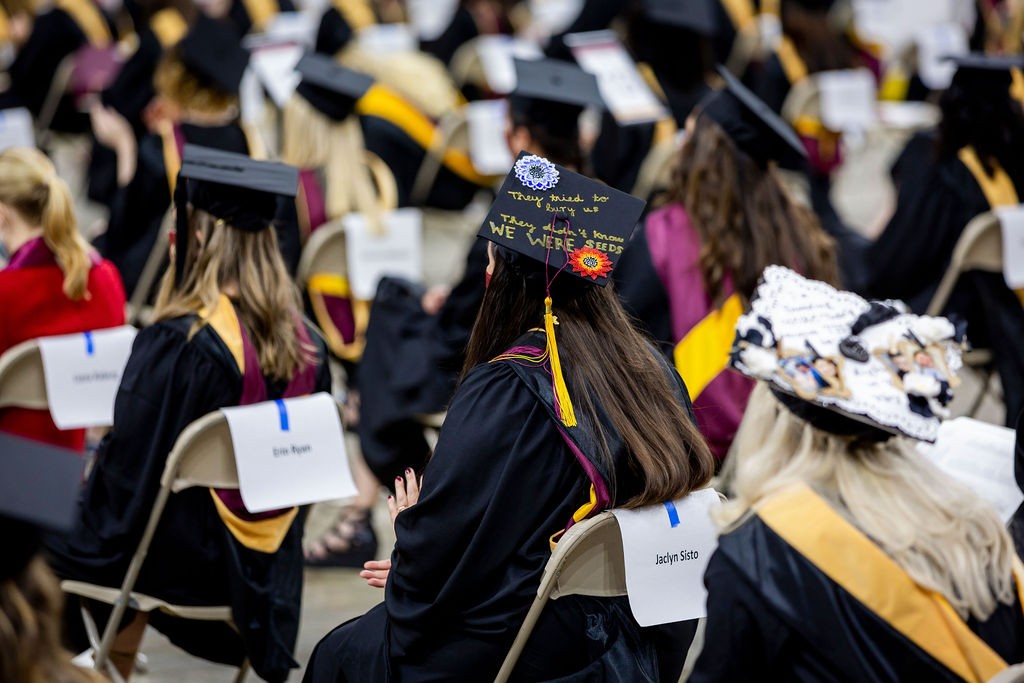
(699, 16)
(330, 87)
(38, 490)
(566, 225)
(213, 50)
(750, 123)
(847, 365)
(240, 192)
(553, 93)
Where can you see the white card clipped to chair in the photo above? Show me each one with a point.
(397, 252)
(487, 147)
(666, 549)
(274, 65)
(1011, 222)
(289, 452)
(629, 98)
(980, 456)
(847, 99)
(83, 372)
(16, 128)
(935, 44)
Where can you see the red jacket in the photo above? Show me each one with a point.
(32, 304)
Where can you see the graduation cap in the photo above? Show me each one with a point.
(699, 16)
(566, 225)
(987, 75)
(750, 123)
(213, 50)
(330, 87)
(240, 191)
(38, 489)
(553, 93)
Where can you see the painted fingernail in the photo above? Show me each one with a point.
(408, 470)
(398, 479)
(391, 497)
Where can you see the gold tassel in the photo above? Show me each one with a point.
(561, 391)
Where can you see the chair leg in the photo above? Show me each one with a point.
(243, 671)
(982, 393)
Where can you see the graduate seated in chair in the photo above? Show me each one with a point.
(845, 554)
(54, 282)
(540, 432)
(229, 332)
(695, 262)
(973, 163)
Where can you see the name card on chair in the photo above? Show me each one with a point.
(83, 372)
(847, 99)
(16, 129)
(1011, 221)
(666, 549)
(395, 251)
(623, 88)
(289, 452)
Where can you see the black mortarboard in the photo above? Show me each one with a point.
(242, 192)
(592, 222)
(699, 16)
(988, 74)
(330, 87)
(553, 94)
(212, 49)
(750, 123)
(38, 489)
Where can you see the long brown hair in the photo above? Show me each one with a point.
(267, 304)
(819, 44)
(29, 184)
(606, 363)
(744, 216)
(30, 628)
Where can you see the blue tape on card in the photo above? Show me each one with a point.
(673, 515)
(282, 411)
(90, 348)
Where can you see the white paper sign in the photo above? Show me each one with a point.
(908, 115)
(397, 252)
(289, 452)
(667, 548)
(83, 372)
(387, 39)
(628, 96)
(496, 59)
(430, 18)
(555, 16)
(980, 456)
(16, 128)
(1011, 221)
(895, 23)
(275, 68)
(934, 44)
(847, 99)
(488, 149)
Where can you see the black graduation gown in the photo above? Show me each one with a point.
(469, 556)
(775, 615)
(169, 382)
(936, 199)
(411, 364)
(643, 294)
(239, 16)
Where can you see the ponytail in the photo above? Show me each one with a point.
(29, 184)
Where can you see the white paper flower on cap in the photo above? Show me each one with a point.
(537, 173)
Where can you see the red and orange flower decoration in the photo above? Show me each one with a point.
(590, 262)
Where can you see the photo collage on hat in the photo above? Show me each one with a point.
(870, 361)
(561, 218)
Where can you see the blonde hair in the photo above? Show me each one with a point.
(311, 139)
(30, 628)
(268, 302)
(29, 184)
(938, 531)
(421, 79)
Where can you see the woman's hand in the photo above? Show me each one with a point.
(376, 573)
(407, 492)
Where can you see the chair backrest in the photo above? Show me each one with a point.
(22, 381)
(980, 247)
(324, 252)
(588, 560)
(1013, 674)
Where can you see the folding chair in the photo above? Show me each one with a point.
(452, 131)
(980, 247)
(22, 382)
(202, 456)
(587, 561)
(139, 310)
(1012, 674)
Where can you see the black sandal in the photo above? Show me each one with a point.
(350, 542)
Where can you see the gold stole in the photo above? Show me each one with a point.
(703, 353)
(261, 12)
(262, 535)
(168, 26)
(852, 561)
(357, 14)
(997, 188)
(88, 18)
